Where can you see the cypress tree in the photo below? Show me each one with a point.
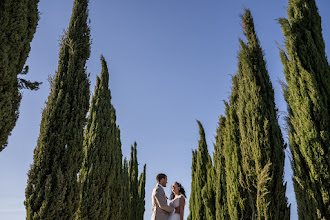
(238, 207)
(133, 183)
(133, 189)
(142, 193)
(117, 188)
(307, 94)
(220, 172)
(203, 164)
(18, 23)
(262, 145)
(100, 175)
(192, 200)
(125, 203)
(208, 194)
(52, 189)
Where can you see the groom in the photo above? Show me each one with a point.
(159, 203)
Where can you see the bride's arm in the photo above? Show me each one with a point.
(182, 203)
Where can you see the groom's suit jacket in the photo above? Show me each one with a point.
(159, 204)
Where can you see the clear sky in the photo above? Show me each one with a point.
(170, 64)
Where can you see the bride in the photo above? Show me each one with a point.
(177, 200)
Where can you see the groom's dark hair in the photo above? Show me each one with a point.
(160, 176)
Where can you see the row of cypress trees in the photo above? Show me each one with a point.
(77, 172)
(133, 189)
(246, 178)
(18, 23)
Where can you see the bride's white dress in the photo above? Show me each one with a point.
(175, 203)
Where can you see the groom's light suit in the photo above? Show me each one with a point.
(159, 204)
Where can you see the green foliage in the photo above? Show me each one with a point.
(136, 187)
(18, 23)
(237, 201)
(125, 203)
(142, 194)
(208, 194)
(100, 175)
(221, 207)
(307, 93)
(133, 183)
(201, 165)
(26, 84)
(192, 200)
(261, 143)
(52, 190)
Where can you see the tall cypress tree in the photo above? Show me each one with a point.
(125, 203)
(133, 189)
(238, 207)
(192, 200)
(100, 175)
(307, 93)
(262, 145)
(134, 183)
(119, 186)
(52, 190)
(18, 23)
(142, 193)
(221, 207)
(203, 164)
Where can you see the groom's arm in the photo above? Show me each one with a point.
(161, 200)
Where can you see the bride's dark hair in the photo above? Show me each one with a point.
(181, 191)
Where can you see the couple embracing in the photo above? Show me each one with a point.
(162, 211)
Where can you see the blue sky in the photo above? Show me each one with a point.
(170, 64)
